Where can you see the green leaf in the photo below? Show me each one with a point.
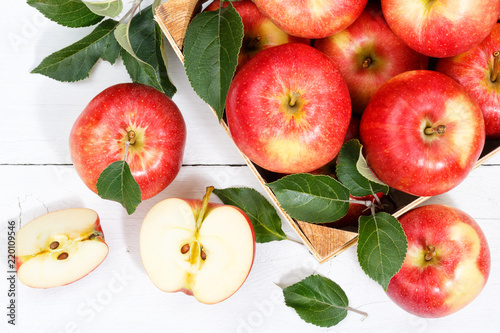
(117, 183)
(349, 175)
(265, 220)
(382, 246)
(211, 47)
(70, 13)
(144, 56)
(312, 198)
(74, 62)
(317, 300)
(110, 8)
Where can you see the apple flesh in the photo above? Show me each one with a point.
(259, 32)
(288, 109)
(312, 19)
(422, 133)
(59, 248)
(368, 54)
(476, 71)
(447, 263)
(200, 248)
(141, 115)
(441, 28)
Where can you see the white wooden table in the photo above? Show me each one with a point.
(36, 176)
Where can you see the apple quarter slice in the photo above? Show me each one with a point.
(60, 247)
(205, 250)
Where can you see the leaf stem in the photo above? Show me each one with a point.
(127, 144)
(364, 314)
(131, 11)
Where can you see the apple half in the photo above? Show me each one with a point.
(203, 249)
(59, 248)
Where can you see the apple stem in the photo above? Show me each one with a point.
(131, 137)
(293, 98)
(204, 205)
(431, 252)
(441, 129)
(367, 62)
(494, 72)
(364, 314)
(254, 43)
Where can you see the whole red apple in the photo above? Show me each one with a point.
(441, 28)
(476, 71)
(368, 54)
(198, 247)
(288, 109)
(422, 133)
(312, 19)
(447, 263)
(259, 32)
(100, 134)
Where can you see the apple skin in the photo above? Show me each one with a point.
(456, 271)
(98, 136)
(441, 28)
(368, 54)
(395, 144)
(259, 32)
(473, 70)
(312, 19)
(275, 135)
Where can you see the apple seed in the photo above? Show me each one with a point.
(203, 255)
(63, 256)
(185, 248)
(54, 245)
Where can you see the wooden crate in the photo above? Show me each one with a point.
(324, 242)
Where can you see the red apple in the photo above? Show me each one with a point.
(259, 32)
(288, 109)
(312, 19)
(447, 263)
(475, 70)
(200, 248)
(59, 248)
(422, 133)
(441, 28)
(100, 133)
(368, 54)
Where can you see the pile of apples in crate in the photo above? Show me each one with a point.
(414, 81)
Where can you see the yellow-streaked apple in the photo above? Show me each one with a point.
(141, 115)
(59, 248)
(447, 263)
(478, 71)
(201, 248)
(441, 28)
(312, 19)
(368, 54)
(288, 109)
(422, 133)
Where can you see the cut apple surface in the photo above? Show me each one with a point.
(203, 249)
(60, 247)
